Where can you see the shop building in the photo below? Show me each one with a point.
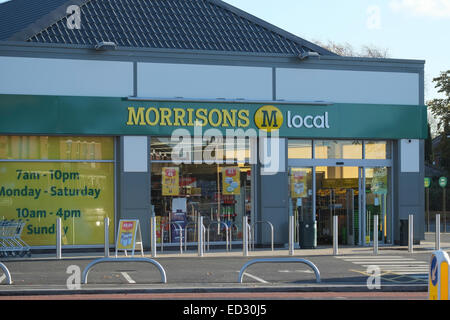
(185, 108)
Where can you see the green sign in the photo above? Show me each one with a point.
(443, 182)
(69, 115)
(427, 182)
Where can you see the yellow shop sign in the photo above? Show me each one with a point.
(157, 116)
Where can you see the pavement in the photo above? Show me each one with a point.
(354, 269)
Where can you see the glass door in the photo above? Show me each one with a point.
(377, 203)
(355, 194)
(301, 204)
(337, 195)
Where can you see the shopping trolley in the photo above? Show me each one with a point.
(11, 243)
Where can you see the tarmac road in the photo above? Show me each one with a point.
(260, 296)
(217, 273)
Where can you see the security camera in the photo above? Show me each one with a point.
(105, 45)
(308, 54)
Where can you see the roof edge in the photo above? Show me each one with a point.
(133, 52)
(273, 28)
(370, 59)
(45, 21)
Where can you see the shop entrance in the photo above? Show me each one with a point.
(337, 194)
(355, 194)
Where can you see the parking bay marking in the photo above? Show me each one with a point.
(127, 277)
(302, 271)
(264, 281)
(254, 277)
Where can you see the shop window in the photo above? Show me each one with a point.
(299, 149)
(56, 148)
(377, 149)
(38, 184)
(216, 150)
(181, 192)
(338, 149)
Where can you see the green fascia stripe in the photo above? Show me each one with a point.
(73, 115)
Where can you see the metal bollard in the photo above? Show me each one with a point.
(438, 232)
(200, 236)
(410, 233)
(245, 236)
(106, 237)
(58, 238)
(291, 235)
(335, 236)
(375, 234)
(153, 235)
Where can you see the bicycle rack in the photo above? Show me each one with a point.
(155, 263)
(193, 223)
(7, 273)
(253, 233)
(181, 235)
(230, 228)
(282, 260)
(226, 232)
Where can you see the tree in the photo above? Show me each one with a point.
(440, 108)
(347, 50)
(429, 146)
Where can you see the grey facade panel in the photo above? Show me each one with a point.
(409, 196)
(134, 197)
(278, 216)
(136, 188)
(274, 200)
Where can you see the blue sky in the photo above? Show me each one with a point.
(408, 29)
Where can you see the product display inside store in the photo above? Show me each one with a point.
(181, 193)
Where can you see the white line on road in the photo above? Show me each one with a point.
(254, 277)
(369, 257)
(406, 268)
(302, 271)
(3, 277)
(418, 274)
(404, 263)
(127, 277)
(382, 259)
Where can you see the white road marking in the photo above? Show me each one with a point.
(254, 277)
(3, 277)
(423, 276)
(301, 271)
(127, 277)
(405, 263)
(395, 264)
(370, 257)
(383, 259)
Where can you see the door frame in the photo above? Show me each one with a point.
(361, 164)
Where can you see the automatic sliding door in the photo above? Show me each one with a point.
(301, 197)
(377, 203)
(337, 195)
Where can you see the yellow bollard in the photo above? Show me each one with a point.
(438, 281)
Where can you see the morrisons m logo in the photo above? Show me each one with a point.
(268, 118)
